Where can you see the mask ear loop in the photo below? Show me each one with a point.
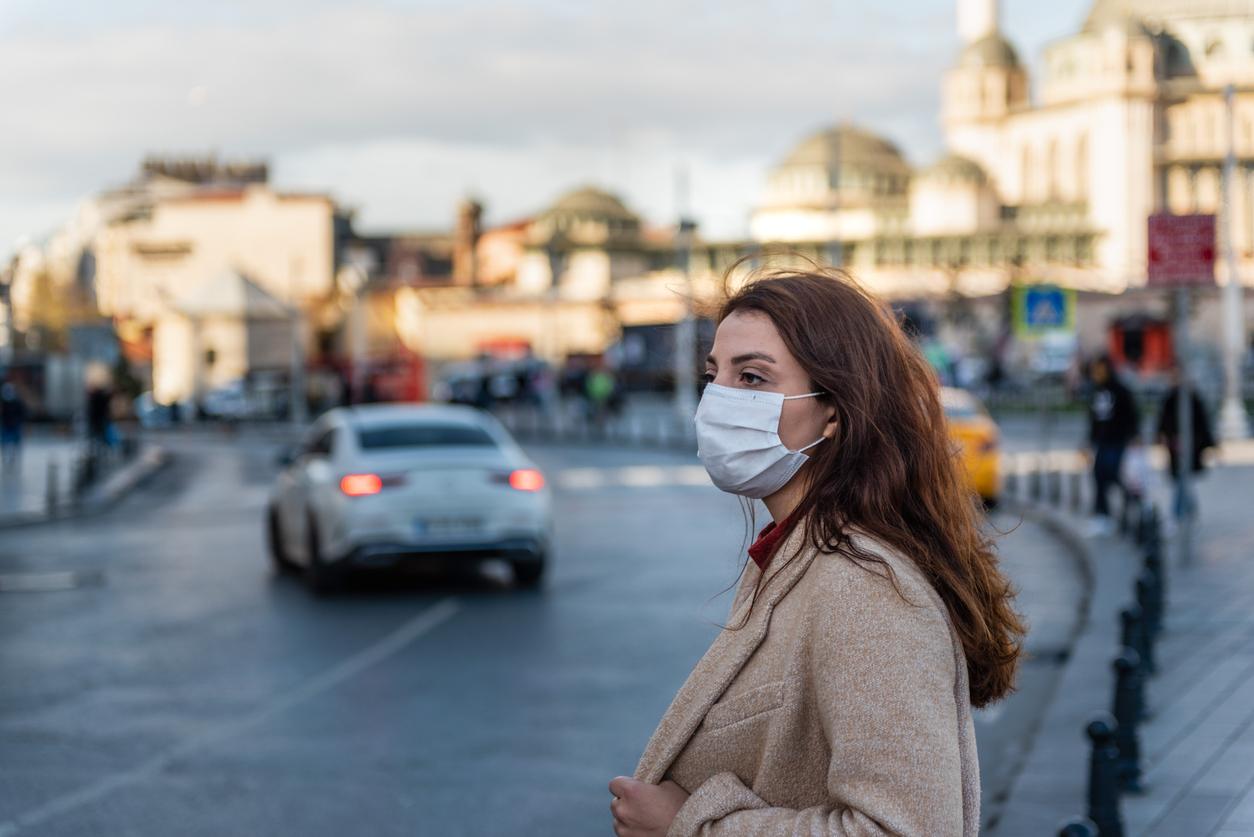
(807, 395)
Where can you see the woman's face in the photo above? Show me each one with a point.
(748, 353)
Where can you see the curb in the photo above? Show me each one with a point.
(1051, 783)
(1077, 546)
(995, 807)
(100, 499)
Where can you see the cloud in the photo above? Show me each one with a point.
(400, 105)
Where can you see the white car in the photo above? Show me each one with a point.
(382, 485)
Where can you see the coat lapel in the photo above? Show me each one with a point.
(725, 658)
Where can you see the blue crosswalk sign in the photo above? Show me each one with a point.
(1040, 309)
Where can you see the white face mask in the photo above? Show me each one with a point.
(738, 440)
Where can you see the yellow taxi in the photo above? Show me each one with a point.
(977, 436)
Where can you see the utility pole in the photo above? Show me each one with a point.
(1184, 423)
(1233, 422)
(686, 329)
(297, 409)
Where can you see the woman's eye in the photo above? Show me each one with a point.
(751, 379)
(707, 378)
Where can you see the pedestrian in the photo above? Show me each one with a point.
(599, 390)
(1168, 434)
(870, 616)
(1113, 424)
(99, 398)
(12, 417)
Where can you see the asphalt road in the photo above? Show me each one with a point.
(163, 681)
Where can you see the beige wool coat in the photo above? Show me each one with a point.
(837, 709)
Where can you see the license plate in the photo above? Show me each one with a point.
(445, 527)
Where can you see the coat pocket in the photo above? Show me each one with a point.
(744, 706)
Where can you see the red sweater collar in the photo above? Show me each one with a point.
(769, 539)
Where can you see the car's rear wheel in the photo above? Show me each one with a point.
(279, 559)
(322, 578)
(529, 573)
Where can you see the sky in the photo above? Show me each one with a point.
(400, 109)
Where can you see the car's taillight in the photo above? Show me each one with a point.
(361, 485)
(526, 479)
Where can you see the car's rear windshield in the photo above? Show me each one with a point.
(962, 411)
(423, 436)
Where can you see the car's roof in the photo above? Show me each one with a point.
(954, 397)
(376, 415)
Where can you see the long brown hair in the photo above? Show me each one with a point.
(891, 471)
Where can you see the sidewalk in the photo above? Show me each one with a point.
(39, 486)
(1198, 745)
(24, 484)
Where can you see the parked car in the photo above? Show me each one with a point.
(383, 485)
(154, 415)
(977, 435)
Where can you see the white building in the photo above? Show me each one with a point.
(1127, 118)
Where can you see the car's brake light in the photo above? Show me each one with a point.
(361, 485)
(526, 479)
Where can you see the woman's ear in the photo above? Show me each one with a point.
(829, 429)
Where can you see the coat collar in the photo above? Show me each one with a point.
(726, 657)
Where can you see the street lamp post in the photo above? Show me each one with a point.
(1233, 422)
(556, 256)
(686, 329)
(297, 408)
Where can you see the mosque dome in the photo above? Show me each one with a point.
(990, 51)
(587, 215)
(847, 145)
(1105, 13)
(591, 202)
(954, 168)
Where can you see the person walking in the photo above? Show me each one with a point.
(99, 398)
(12, 417)
(1168, 434)
(1113, 424)
(599, 389)
(871, 615)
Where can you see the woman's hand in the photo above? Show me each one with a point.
(644, 810)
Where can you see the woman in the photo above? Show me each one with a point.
(872, 616)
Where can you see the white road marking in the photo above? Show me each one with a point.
(632, 476)
(39, 582)
(423, 623)
(1237, 452)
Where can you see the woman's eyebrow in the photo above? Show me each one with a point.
(745, 358)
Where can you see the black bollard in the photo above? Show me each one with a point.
(1010, 485)
(1034, 484)
(1133, 634)
(1078, 828)
(1127, 706)
(1054, 487)
(1148, 598)
(1154, 564)
(1077, 492)
(1104, 777)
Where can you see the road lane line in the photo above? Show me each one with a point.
(423, 623)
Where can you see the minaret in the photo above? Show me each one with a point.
(987, 82)
(977, 19)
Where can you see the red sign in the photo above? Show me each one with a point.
(1181, 250)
